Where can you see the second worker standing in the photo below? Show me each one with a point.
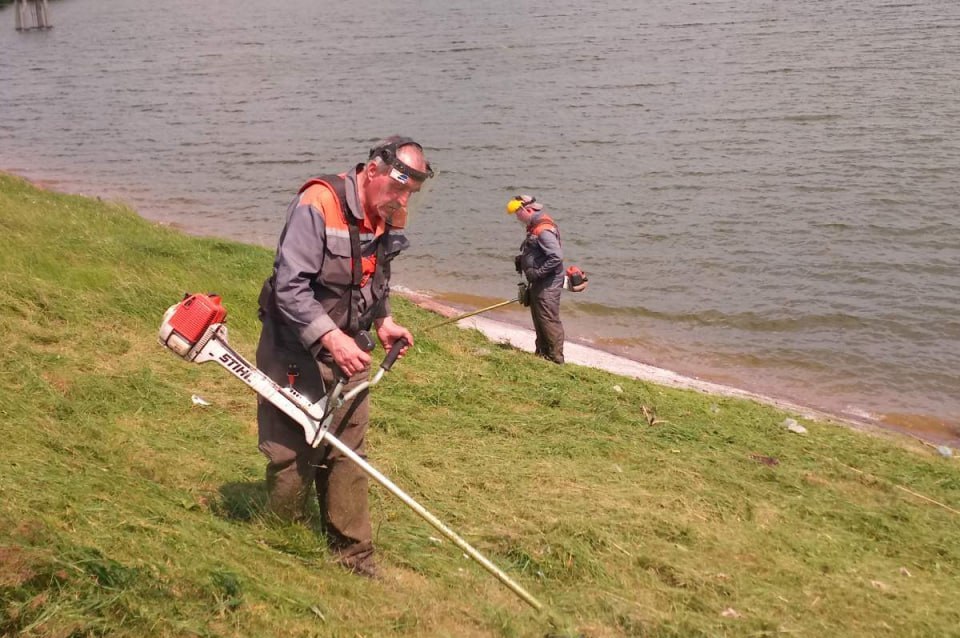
(541, 262)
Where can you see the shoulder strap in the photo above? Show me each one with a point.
(336, 191)
(545, 223)
(353, 321)
(334, 195)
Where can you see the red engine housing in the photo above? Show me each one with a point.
(195, 314)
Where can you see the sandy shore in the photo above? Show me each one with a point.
(580, 354)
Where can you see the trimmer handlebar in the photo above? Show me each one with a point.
(385, 365)
(391, 357)
(388, 362)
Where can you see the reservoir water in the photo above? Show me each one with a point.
(765, 194)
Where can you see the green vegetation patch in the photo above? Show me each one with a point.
(633, 510)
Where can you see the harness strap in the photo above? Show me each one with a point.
(334, 195)
(355, 320)
(356, 261)
(544, 223)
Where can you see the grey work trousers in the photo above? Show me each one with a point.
(292, 465)
(545, 310)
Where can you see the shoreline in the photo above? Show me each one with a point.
(590, 356)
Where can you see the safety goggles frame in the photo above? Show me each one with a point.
(523, 204)
(388, 154)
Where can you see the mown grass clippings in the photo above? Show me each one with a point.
(128, 510)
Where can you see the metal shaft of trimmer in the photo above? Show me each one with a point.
(373, 473)
(470, 314)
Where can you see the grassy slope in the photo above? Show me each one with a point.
(127, 511)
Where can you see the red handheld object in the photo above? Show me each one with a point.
(575, 280)
(195, 314)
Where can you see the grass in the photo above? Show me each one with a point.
(128, 511)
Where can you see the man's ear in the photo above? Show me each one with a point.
(370, 169)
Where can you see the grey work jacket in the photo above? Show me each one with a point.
(310, 288)
(542, 253)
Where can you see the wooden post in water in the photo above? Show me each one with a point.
(43, 14)
(18, 9)
(31, 14)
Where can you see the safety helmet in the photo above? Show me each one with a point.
(522, 201)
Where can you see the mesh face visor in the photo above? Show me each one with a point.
(400, 171)
(404, 178)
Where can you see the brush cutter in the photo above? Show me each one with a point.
(195, 330)
(523, 298)
(574, 280)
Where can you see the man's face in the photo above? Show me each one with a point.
(524, 215)
(389, 190)
(388, 196)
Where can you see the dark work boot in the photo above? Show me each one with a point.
(361, 564)
(367, 569)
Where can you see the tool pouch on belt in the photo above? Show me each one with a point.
(523, 294)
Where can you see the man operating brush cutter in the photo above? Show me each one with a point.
(194, 330)
(326, 299)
